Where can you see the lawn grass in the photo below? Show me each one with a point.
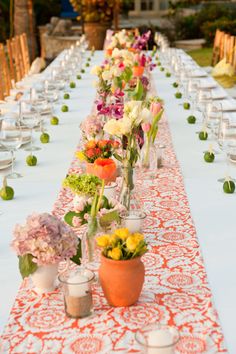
(202, 56)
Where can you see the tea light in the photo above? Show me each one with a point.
(110, 190)
(133, 220)
(162, 339)
(158, 339)
(78, 285)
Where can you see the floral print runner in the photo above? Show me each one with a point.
(176, 290)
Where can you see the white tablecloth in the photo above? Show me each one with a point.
(212, 210)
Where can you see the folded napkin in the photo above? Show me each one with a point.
(218, 93)
(223, 68)
(37, 66)
(228, 105)
(208, 83)
(198, 73)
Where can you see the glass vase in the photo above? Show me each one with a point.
(127, 186)
(89, 242)
(149, 155)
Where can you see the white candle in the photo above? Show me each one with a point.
(110, 191)
(133, 223)
(78, 285)
(160, 338)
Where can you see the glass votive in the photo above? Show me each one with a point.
(133, 220)
(110, 190)
(77, 291)
(157, 339)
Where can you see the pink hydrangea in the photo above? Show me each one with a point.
(46, 238)
(92, 126)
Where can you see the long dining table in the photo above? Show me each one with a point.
(212, 211)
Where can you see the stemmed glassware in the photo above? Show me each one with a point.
(227, 141)
(11, 139)
(214, 116)
(192, 90)
(29, 118)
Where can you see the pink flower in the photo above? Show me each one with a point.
(46, 238)
(86, 216)
(76, 221)
(146, 127)
(155, 108)
(121, 66)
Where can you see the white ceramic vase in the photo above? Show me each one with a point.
(44, 278)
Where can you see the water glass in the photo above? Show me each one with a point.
(11, 139)
(29, 118)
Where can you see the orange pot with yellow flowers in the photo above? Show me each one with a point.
(122, 272)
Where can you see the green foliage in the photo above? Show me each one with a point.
(224, 24)
(206, 21)
(76, 258)
(43, 9)
(26, 265)
(82, 184)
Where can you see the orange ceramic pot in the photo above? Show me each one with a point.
(121, 281)
(138, 71)
(103, 168)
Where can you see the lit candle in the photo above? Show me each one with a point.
(78, 285)
(133, 223)
(162, 339)
(110, 191)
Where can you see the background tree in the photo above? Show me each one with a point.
(24, 22)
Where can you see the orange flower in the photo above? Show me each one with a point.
(90, 144)
(138, 71)
(103, 143)
(109, 52)
(105, 169)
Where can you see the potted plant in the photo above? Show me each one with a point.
(97, 16)
(121, 272)
(41, 244)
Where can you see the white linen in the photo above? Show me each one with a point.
(213, 211)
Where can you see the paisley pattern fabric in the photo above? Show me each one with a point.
(176, 290)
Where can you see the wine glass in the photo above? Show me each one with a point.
(11, 139)
(192, 90)
(227, 142)
(213, 118)
(30, 118)
(40, 103)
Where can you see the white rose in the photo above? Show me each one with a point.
(146, 116)
(113, 127)
(125, 126)
(106, 75)
(95, 70)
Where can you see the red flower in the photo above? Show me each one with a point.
(90, 153)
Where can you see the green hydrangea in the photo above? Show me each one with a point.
(82, 184)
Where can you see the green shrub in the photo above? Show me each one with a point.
(198, 25)
(224, 24)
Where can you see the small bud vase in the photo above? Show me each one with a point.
(44, 278)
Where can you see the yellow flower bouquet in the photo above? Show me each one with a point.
(122, 245)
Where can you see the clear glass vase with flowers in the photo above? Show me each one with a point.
(150, 129)
(126, 129)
